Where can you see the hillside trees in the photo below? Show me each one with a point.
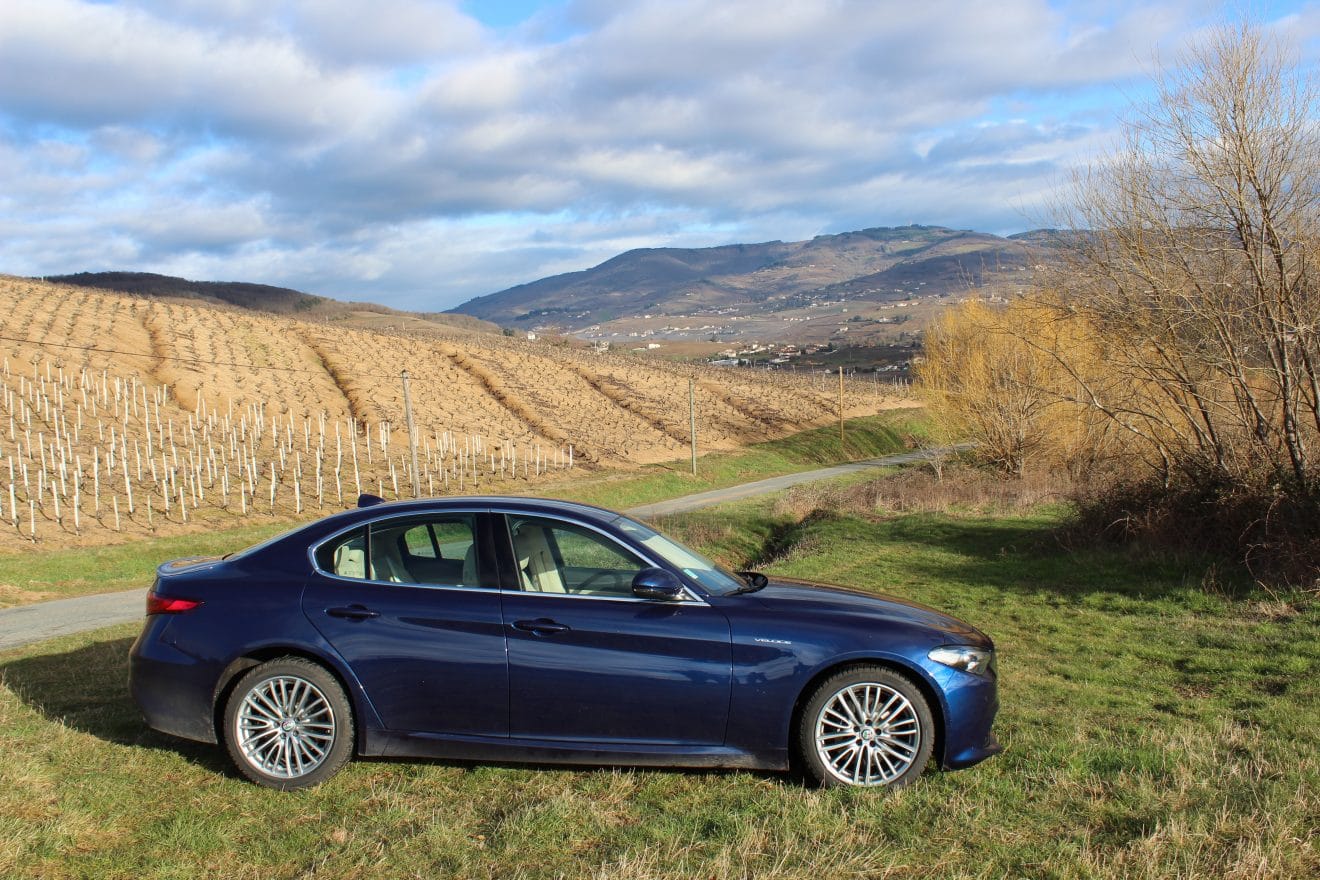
(1191, 269)
(993, 374)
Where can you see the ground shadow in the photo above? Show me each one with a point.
(1029, 557)
(86, 689)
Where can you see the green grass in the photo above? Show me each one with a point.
(1153, 729)
(27, 576)
(870, 437)
(81, 571)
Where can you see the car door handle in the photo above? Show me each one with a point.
(353, 612)
(542, 626)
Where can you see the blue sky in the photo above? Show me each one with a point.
(421, 152)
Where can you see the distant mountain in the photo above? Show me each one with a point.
(256, 297)
(870, 265)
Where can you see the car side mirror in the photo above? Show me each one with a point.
(657, 583)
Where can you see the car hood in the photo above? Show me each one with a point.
(805, 597)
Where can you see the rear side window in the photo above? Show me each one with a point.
(437, 550)
(346, 556)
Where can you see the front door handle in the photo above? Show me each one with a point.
(353, 612)
(541, 626)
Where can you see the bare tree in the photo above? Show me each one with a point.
(1194, 259)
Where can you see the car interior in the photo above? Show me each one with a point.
(563, 559)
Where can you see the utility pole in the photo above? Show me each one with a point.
(840, 407)
(692, 422)
(412, 436)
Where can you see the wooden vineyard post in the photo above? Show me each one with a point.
(692, 421)
(412, 438)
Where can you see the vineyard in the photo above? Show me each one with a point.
(122, 415)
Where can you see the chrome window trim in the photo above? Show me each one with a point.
(366, 523)
(690, 597)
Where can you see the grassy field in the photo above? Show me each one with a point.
(1158, 723)
(27, 576)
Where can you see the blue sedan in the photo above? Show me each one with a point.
(519, 629)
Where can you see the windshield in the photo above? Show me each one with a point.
(715, 578)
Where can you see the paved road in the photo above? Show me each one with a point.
(45, 620)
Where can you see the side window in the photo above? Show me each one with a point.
(346, 556)
(558, 557)
(421, 541)
(438, 550)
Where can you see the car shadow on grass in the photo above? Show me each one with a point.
(86, 689)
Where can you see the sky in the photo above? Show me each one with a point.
(418, 153)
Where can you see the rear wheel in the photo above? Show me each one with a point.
(868, 726)
(288, 724)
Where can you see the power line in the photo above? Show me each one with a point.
(166, 357)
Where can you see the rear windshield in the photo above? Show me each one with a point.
(248, 551)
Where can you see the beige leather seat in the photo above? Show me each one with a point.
(386, 564)
(536, 564)
(350, 562)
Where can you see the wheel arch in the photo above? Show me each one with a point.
(913, 674)
(254, 657)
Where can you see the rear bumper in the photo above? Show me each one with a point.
(171, 689)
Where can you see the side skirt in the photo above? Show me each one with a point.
(506, 750)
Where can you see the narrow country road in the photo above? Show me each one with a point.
(27, 624)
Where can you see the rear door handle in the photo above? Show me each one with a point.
(353, 612)
(542, 626)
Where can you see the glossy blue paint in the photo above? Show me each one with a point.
(622, 670)
(493, 671)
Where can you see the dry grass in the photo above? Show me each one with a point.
(928, 489)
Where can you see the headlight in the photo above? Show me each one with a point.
(978, 661)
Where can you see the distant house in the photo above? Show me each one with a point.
(531, 336)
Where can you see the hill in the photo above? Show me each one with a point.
(770, 283)
(139, 414)
(262, 298)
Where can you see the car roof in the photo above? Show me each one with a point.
(521, 503)
(500, 503)
(317, 530)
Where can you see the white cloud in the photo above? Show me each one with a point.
(400, 148)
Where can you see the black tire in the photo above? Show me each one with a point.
(867, 726)
(288, 724)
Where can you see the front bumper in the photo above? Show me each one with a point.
(972, 701)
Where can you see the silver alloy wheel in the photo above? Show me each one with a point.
(867, 734)
(285, 726)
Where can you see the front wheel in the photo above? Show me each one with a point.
(868, 726)
(288, 724)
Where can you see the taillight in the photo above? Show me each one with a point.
(158, 604)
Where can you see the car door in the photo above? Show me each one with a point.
(412, 605)
(588, 661)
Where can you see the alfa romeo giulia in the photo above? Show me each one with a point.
(517, 629)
